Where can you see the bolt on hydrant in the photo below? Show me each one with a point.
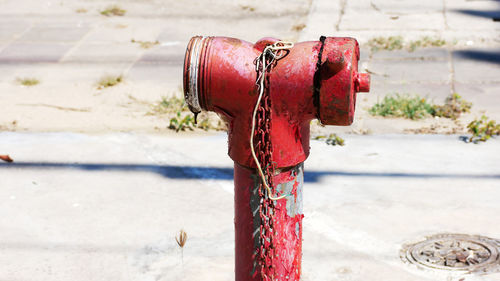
(268, 93)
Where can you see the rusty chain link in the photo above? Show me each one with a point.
(263, 64)
(263, 156)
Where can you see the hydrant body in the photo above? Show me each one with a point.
(313, 80)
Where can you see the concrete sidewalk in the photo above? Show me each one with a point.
(465, 21)
(69, 52)
(80, 207)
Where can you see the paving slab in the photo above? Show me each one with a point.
(115, 31)
(435, 92)
(104, 53)
(61, 75)
(422, 54)
(406, 71)
(46, 34)
(152, 73)
(323, 20)
(485, 97)
(168, 53)
(9, 32)
(477, 65)
(396, 7)
(102, 207)
(362, 19)
(19, 53)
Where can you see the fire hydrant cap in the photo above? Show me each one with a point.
(340, 81)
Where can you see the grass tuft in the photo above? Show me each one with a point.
(425, 42)
(407, 106)
(386, 43)
(247, 8)
(28, 81)
(181, 118)
(397, 43)
(109, 81)
(145, 44)
(169, 105)
(113, 10)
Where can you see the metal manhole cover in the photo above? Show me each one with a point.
(456, 252)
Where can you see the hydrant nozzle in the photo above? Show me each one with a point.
(364, 82)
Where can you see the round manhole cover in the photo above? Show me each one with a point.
(456, 252)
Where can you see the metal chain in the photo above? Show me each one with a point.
(263, 63)
(261, 128)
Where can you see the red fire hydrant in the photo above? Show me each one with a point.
(268, 93)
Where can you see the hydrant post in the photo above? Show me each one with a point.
(311, 80)
(287, 220)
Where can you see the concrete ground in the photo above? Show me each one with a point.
(80, 207)
(68, 45)
(99, 187)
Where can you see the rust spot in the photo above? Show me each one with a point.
(233, 41)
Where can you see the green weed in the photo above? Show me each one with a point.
(425, 42)
(453, 107)
(247, 8)
(109, 81)
(169, 105)
(407, 106)
(181, 118)
(113, 10)
(397, 43)
(386, 43)
(28, 81)
(181, 123)
(483, 129)
(331, 139)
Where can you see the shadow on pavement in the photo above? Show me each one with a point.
(490, 14)
(485, 14)
(198, 172)
(481, 55)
